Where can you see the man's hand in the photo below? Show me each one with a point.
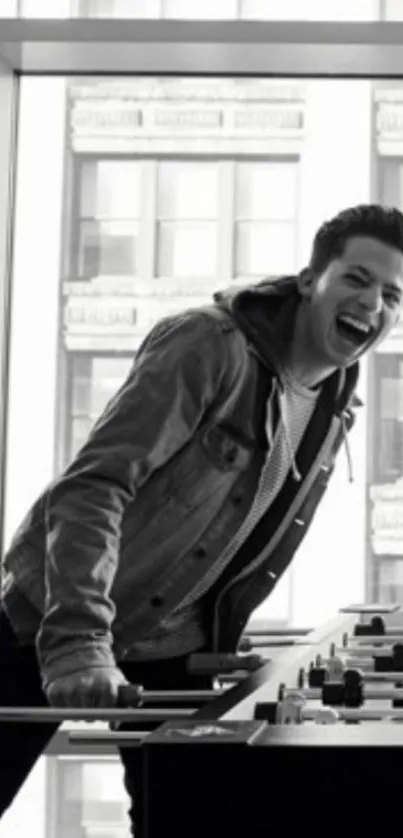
(92, 687)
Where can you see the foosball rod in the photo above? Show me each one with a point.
(247, 644)
(315, 693)
(132, 697)
(91, 714)
(383, 677)
(361, 714)
(368, 640)
(364, 651)
(364, 665)
(127, 738)
(261, 632)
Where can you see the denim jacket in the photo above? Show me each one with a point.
(164, 481)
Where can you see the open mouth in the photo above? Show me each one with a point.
(356, 331)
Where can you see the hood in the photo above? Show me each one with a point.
(265, 312)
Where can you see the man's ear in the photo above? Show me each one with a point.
(306, 280)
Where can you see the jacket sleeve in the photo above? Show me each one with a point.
(176, 376)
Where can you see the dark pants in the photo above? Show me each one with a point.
(22, 744)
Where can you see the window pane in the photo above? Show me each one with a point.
(199, 9)
(45, 8)
(187, 190)
(9, 8)
(94, 381)
(81, 392)
(118, 8)
(342, 10)
(264, 249)
(393, 10)
(80, 428)
(388, 419)
(108, 248)
(107, 376)
(110, 189)
(208, 10)
(266, 190)
(186, 250)
(391, 578)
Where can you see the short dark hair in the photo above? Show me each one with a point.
(372, 220)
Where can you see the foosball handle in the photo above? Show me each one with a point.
(217, 664)
(129, 695)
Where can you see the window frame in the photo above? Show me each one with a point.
(101, 47)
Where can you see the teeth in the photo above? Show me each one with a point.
(357, 324)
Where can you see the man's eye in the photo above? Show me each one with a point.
(393, 298)
(357, 278)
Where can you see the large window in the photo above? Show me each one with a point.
(158, 192)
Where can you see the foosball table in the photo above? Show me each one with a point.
(297, 723)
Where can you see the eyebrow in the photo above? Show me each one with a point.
(393, 286)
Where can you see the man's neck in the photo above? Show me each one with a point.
(300, 361)
(306, 373)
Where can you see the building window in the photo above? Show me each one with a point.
(200, 9)
(391, 580)
(93, 381)
(118, 8)
(265, 218)
(109, 211)
(391, 10)
(388, 368)
(243, 213)
(187, 216)
(388, 418)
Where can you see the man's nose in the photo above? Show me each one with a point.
(371, 299)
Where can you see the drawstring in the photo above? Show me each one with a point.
(269, 414)
(282, 402)
(347, 450)
(283, 412)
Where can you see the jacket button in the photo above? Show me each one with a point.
(230, 455)
(200, 552)
(157, 601)
(237, 499)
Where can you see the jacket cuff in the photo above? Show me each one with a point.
(75, 659)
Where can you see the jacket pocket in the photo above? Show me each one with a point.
(225, 448)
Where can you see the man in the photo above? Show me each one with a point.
(195, 487)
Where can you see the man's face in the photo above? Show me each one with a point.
(355, 302)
